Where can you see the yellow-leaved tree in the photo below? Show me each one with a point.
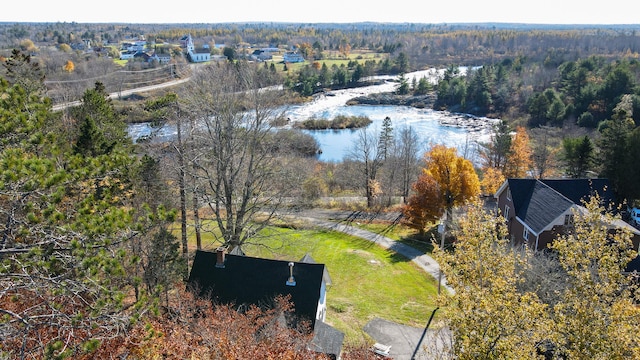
(492, 179)
(490, 318)
(447, 180)
(519, 158)
(69, 66)
(598, 315)
(574, 301)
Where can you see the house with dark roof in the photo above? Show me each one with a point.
(538, 210)
(233, 278)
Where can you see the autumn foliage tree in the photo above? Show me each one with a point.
(488, 315)
(197, 328)
(598, 315)
(69, 66)
(519, 159)
(578, 303)
(447, 180)
(493, 157)
(492, 178)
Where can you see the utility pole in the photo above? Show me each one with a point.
(442, 227)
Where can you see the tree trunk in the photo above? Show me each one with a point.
(183, 200)
(196, 215)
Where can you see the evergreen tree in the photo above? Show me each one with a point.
(64, 220)
(496, 152)
(613, 146)
(386, 138)
(164, 264)
(403, 85)
(578, 156)
(100, 129)
(21, 70)
(423, 86)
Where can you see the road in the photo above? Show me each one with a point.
(118, 94)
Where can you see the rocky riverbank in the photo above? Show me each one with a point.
(467, 121)
(461, 120)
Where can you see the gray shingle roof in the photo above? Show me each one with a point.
(539, 202)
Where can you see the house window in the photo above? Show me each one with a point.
(525, 234)
(568, 220)
(506, 212)
(509, 194)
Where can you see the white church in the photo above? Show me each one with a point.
(193, 54)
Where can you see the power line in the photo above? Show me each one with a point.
(167, 67)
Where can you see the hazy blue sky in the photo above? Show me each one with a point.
(342, 11)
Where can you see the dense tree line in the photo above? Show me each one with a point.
(424, 44)
(584, 91)
(581, 121)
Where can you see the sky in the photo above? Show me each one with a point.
(325, 11)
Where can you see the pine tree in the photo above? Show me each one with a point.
(64, 218)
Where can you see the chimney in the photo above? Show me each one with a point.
(220, 256)
(291, 281)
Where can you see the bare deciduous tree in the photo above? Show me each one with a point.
(366, 152)
(231, 155)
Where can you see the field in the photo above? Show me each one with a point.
(331, 58)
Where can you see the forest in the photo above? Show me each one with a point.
(98, 232)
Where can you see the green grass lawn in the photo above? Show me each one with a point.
(403, 234)
(367, 281)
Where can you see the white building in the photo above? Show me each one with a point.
(293, 57)
(193, 54)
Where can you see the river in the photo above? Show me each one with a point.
(432, 127)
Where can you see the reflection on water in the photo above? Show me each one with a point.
(337, 144)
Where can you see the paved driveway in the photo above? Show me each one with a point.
(404, 340)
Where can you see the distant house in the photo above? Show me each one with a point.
(134, 45)
(126, 55)
(292, 57)
(261, 55)
(160, 58)
(238, 279)
(537, 211)
(142, 55)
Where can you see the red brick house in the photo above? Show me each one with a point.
(536, 211)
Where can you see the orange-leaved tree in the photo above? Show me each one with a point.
(69, 66)
(447, 180)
